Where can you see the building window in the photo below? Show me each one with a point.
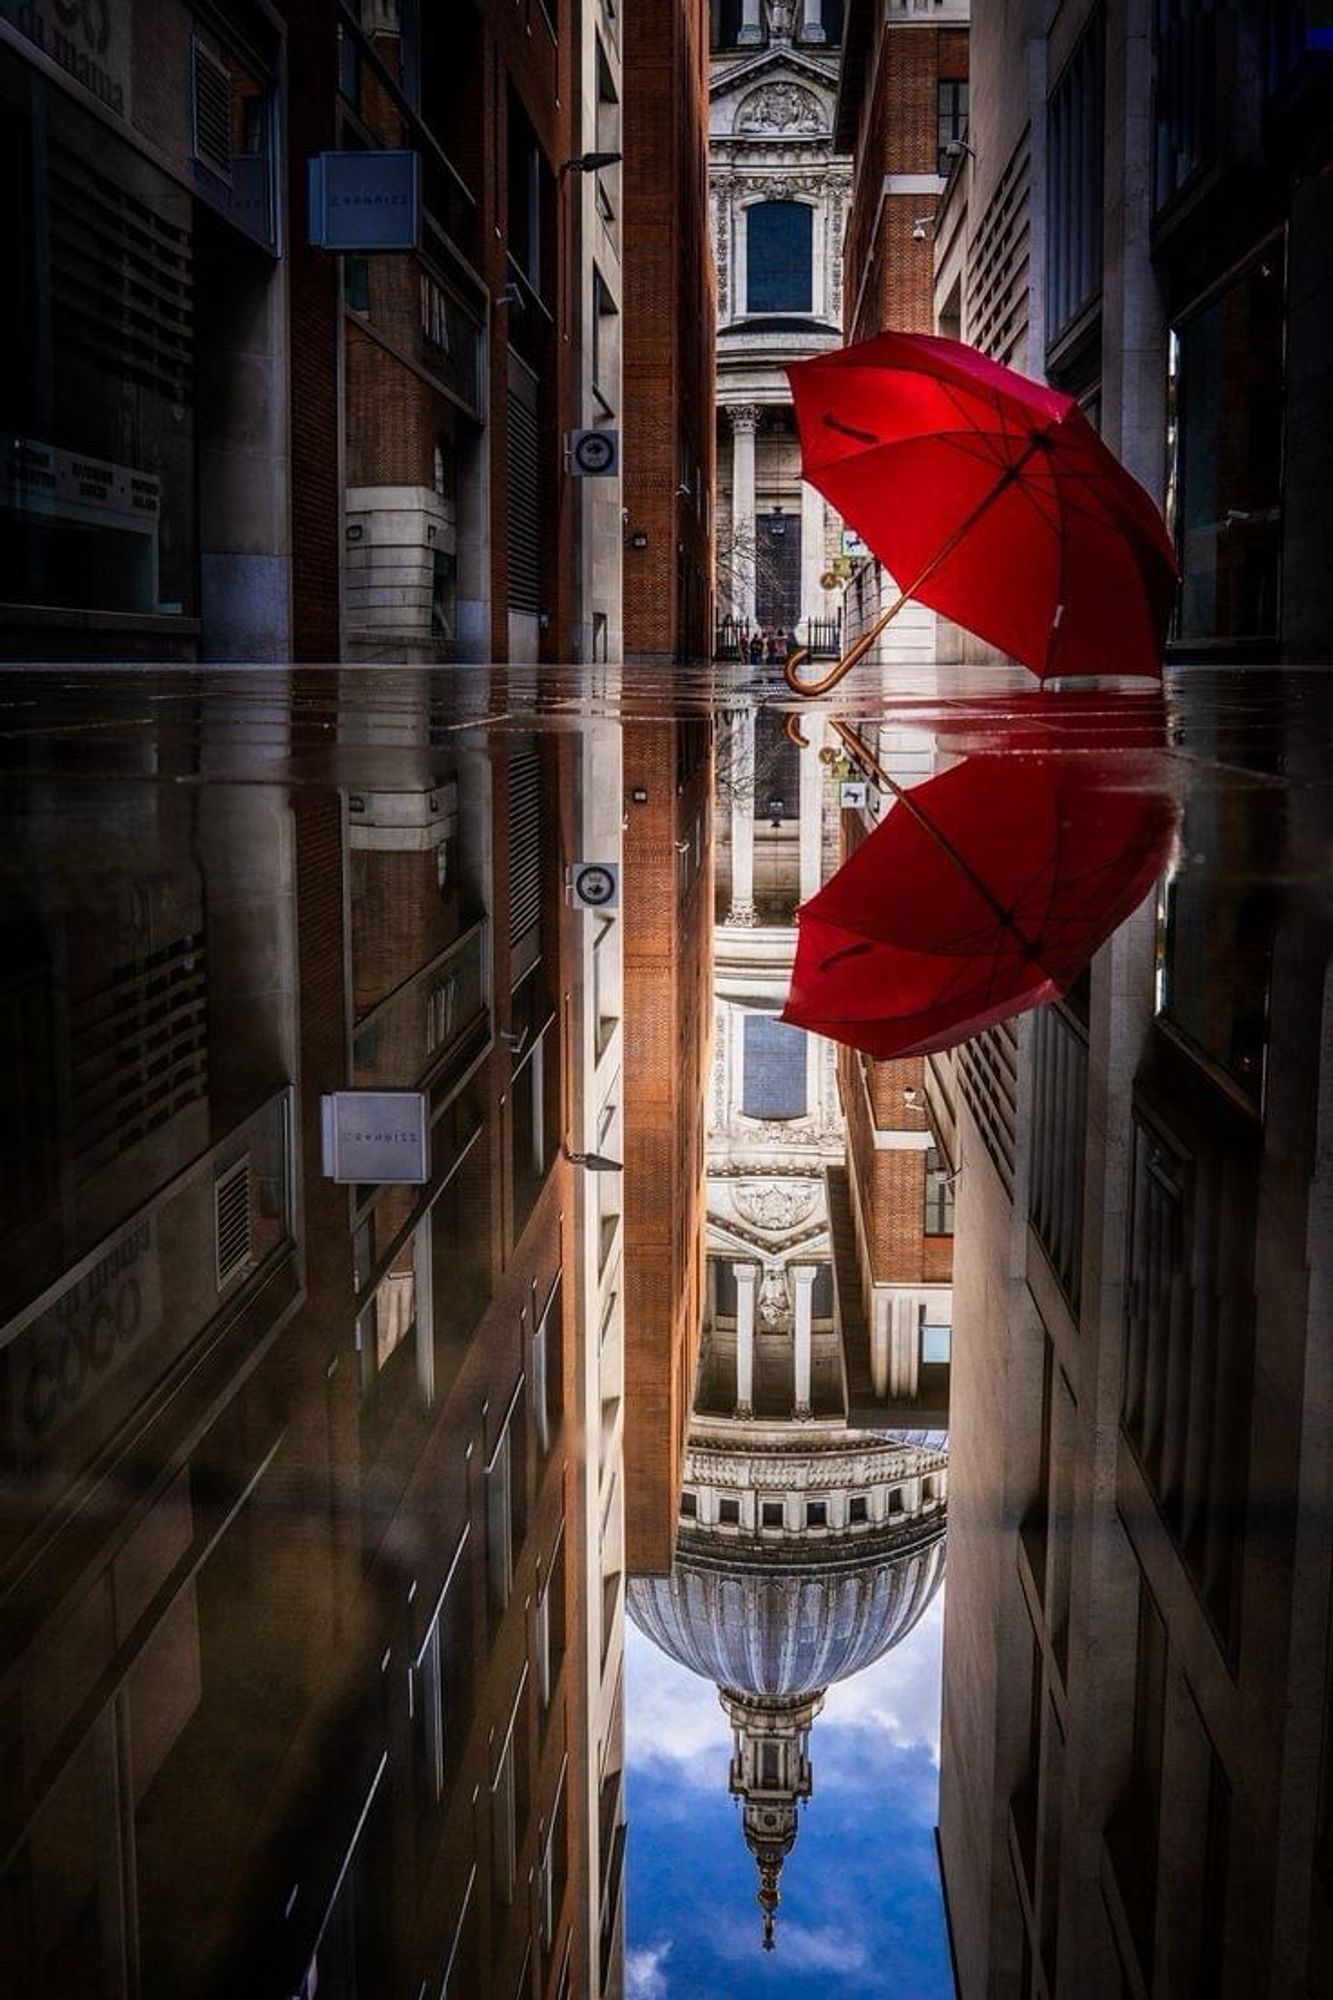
(729, 1513)
(951, 120)
(689, 1506)
(774, 1080)
(772, 1514)
(548, 1370)
(858, 1509)
(439, 1688)
(506, 1493)
(1225, 434)
(1185, 93)
(1074, 184)
(938, 1218)
(936, 1341)
(816, 1513)
(605, 313)
(525, 188)
(779, 257)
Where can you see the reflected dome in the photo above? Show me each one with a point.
(782, 1623)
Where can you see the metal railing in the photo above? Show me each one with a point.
(743, 639)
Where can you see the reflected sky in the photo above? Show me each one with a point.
(861, 1908)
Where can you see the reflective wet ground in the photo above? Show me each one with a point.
(694, 1505)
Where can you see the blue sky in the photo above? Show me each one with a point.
(861, 1913)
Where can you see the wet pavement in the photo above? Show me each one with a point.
(737, 1513)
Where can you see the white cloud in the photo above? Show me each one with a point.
(800, 1947)
(900, 1694)
(645, 1972)
(674, 1717)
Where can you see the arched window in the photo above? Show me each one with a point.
(779, 238)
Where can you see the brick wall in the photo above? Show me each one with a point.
(669, 330)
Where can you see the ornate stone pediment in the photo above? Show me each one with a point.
(781, 106)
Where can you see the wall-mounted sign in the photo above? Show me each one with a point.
(594, 885)
(39, 478)
(594, 454)
(365, 200)
(91, 42)
(853, 794)
(376, 1135)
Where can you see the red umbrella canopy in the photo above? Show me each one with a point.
(991, 499)
(984, 892)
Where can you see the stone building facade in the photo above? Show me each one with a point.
(778, 193)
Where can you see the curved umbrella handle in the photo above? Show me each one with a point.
(850, 658)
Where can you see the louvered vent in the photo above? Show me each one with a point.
(231, 1218)
(524, 511)
(138, 1051)
(525, 841)
(212, 113)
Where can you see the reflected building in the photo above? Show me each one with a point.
(312, 1679)
(812, 1503)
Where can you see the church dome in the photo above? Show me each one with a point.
(785, 1623)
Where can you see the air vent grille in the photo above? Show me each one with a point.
(231, 1216)
(212, 113)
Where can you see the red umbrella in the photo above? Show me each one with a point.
(989, 498)
(983, 893)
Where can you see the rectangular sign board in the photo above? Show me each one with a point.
(377, 1136)
(365, 200)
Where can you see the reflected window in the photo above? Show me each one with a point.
(779, 239)
(938, 1219)
(774, 1081)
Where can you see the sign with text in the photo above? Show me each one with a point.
(365, 200)
(88, 39)
(377, 1136)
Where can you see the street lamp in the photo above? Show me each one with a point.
(590, 163)
(595, 1163)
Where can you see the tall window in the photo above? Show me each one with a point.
(774, 1080)
(779, 257)
(951, 100)
(1074, 184)
(1226, 381)
(938, 1220)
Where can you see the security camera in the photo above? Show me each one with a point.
(921, 228)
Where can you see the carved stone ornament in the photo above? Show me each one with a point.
(774, 1302)
(780, 107)
(775, 1207)
(781, 19)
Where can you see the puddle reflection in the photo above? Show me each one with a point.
(325, 1500)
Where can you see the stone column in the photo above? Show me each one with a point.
(812, 808)
(746, 1276)
(742, 911)
(750, 32)
(812, 551)
(804, 1276)
(812, 24)
(744, 419)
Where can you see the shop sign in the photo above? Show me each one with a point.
(38, 478)
(90, 39)
(365, 200)
(373, 1136)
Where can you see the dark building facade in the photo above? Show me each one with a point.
(224, 442)
(295, 1543)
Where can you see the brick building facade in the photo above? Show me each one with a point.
(668, 344)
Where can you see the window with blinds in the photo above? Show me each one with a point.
(525, 854)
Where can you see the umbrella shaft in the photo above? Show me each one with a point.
(857, 652)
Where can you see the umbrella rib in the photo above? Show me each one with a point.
(928, 826)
